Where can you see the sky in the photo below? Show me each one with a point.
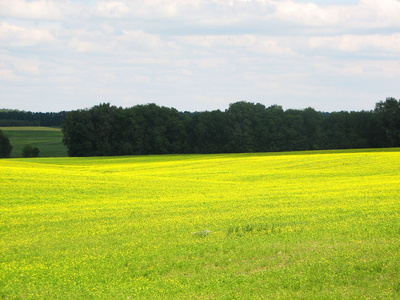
(197, 55)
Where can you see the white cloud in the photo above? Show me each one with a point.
(382, 13)
(15, 36)
(111, 9)
(378, 45)
(83, 46)
(242, 47)
(308, 14)
(138, 37)
(194, 53)
(7, 75)
(367, 15)
(26, 66)
(39, 10)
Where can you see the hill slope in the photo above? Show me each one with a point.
(47, 139)
(315, 225)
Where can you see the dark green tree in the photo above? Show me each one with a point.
(78, 133)
(9, 117)
(5, 146)
(30, 151)
(245, 121)
(105, 134)
(336, 129)
(273, 129)
(208, 132)
(388, 113)
(312, 129)
(293, 131)
(151, 129)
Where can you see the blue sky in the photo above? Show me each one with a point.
(198, 55)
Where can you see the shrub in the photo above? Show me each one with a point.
(30, 151)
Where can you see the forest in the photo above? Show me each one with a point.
(106, 130)
(12, 117)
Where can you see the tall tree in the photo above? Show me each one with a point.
(208, 132)
(312, 129)
(244, 119)
(78, 133)
(389, 115)
(5, 146)
(151, 129)
(104, 119)
(273, 137)
(293, 131)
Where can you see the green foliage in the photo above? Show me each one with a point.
(5, 146)
(106, 130)
(10, 117)
(208, 132)
(30, 151)
(389, 115)
(245, 120)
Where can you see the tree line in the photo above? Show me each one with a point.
(106, 130)
(27, 118)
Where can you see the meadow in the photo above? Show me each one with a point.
(47, 139)
(310, 225)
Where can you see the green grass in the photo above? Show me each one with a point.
(47, 139)
(310, 225)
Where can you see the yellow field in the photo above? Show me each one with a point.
(244, 226)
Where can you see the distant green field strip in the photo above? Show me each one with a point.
(47, 139)
(33, 128)
(24, 141)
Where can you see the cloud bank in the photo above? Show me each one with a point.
(198, 54)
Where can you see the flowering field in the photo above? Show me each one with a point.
(239, 226)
